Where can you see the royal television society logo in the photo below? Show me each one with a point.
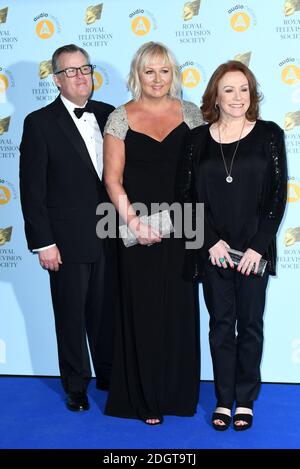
(46, 26)
(3, 15)
(293, 190)
(192, 74)
(93, 13)
(4, 124)
(291, 120)
(191, 30)
(243, 57)
(191, 9)
(292, 236)
(5, 235)
(7, 192)
(241, 18)
(142, 22)
(292, 132)
(7, 39)
(45, 89)
(289, 27)
(291, 7)
(289, 258)
(94, 35)
(8, 149)
(290, 71)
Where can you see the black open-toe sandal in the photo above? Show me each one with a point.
(226, 419)
(160, 421)
(247, 418)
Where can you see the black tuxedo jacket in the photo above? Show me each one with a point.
(59, 186)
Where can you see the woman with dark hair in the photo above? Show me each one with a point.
(239, 167)
(156, 363)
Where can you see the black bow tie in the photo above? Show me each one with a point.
(80, 110)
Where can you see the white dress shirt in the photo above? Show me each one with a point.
(89, 130)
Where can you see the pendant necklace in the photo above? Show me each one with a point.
(229, 177)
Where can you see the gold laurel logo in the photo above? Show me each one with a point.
(291, 6)
(5, 195)
(293, 192)
(191, 9)
(291, 120)
(5, 235)
(290, 74)
(3, 15)
(45, 69)
(4, 124)
(141, 25)
(190, 77)
(45, 29)
(244, 58)
(3, 83)
(98, 80)
(93, 13)
(292, 236)
(240, 22)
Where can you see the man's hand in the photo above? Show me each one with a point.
(50, 258)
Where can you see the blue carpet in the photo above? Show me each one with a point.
(34, 416)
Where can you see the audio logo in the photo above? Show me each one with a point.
(290, 73)
(293, 190)
(7, 192)
(192, 74)
(5, 195)
(142, 23)
(241, 18)
(100, 78)
(6, 80)
(46, 26)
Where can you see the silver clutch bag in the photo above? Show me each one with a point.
(160, 221)
(236, 256)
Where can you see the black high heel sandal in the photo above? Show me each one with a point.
(226, 419)
(160, 421)
(247, 418)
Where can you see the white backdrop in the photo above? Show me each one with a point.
(202, 34)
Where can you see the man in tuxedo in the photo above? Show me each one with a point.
(60, 183)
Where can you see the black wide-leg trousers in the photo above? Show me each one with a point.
(235, 303)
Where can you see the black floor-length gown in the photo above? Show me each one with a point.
(156, 363)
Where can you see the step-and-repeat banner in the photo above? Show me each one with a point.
(202, 33)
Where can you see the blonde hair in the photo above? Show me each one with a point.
(147, 52)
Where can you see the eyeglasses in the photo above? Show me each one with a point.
(73, 71)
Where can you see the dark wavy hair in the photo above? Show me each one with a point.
(210, 111)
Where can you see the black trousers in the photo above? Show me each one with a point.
(84, 304)
(236, 305)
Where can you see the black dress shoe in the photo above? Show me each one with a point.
(77, 401)
(102, 385)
